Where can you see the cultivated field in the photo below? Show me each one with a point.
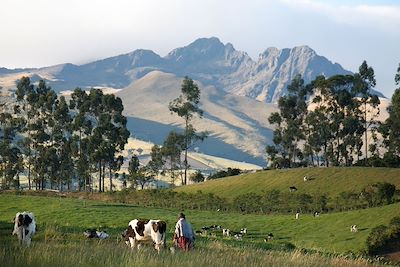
(61, 222)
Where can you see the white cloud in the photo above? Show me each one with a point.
(382, 17)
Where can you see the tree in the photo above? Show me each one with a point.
(140, 175)
(187, 106)
(109, 134)
(390, 129)
(289, 124)
(171, 151)
(82, 127)
(364, 82)
(10, 154)
(197, 177)
(24, 108)
(156, 162)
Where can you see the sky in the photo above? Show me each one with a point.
(37, 33)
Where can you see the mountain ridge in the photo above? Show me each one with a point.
(207, 60)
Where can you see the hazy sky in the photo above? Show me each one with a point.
(37, 33)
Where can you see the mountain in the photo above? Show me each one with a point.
(238, 127)
(207, 60)
(237, 92)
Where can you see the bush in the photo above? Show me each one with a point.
(221, 174)
(197, 177)
(377, 240)
(384, 239)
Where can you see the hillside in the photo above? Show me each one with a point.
(238, 127)
(328, 233)
(330, 181)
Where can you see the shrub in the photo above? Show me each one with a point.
(197, 177)
(228, 172)
(384, 239)
(377, 240)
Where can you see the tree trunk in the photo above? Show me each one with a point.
(366, 137)
(104, 175)
(186, 148)
(99, 177)
(110, 179)
(29, 176)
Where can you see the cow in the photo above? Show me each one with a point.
(292, 189)
(243, 231)
(297, 215)
(305, 178)
(354, 229)
(24, 227)
(93, 233)
(226, 232)
(238, 236)
(269, 237)
(140, 231)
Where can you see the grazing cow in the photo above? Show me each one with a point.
(140, 231)
(24, 227)
(92, 233)
(226, 232)
(292, 189)
(238, 236)
(297, 215)
(243, 231)
(316, 213)
(354, 229)
(269, 237)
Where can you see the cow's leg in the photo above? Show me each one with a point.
(132, 241)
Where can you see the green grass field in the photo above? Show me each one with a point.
(329, 181)
(64, 220)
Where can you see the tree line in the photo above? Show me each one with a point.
(340, 129)
(56, 141)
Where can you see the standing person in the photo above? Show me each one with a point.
(184, 236)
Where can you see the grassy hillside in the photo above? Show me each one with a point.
(330, 181)
(61, 219)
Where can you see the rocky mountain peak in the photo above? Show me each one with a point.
(207, 60)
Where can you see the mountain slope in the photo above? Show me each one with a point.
(236, 124)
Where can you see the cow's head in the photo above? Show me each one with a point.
(20, 219)
(159, 229)
(129, 232)
(27, 220)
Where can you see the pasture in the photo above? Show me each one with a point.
(61, 222)
(330, 181)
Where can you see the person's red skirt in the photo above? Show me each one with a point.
(184, 243)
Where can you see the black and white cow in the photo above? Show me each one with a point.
(24, 227)
(140, 231)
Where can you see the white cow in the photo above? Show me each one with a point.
(226, 232)
(354, 228)
(24, 227)
(140, 231)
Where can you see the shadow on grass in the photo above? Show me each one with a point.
(119, 205)
(6, 229)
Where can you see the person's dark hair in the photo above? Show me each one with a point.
(181, 215)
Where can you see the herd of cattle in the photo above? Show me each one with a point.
(137, 233)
